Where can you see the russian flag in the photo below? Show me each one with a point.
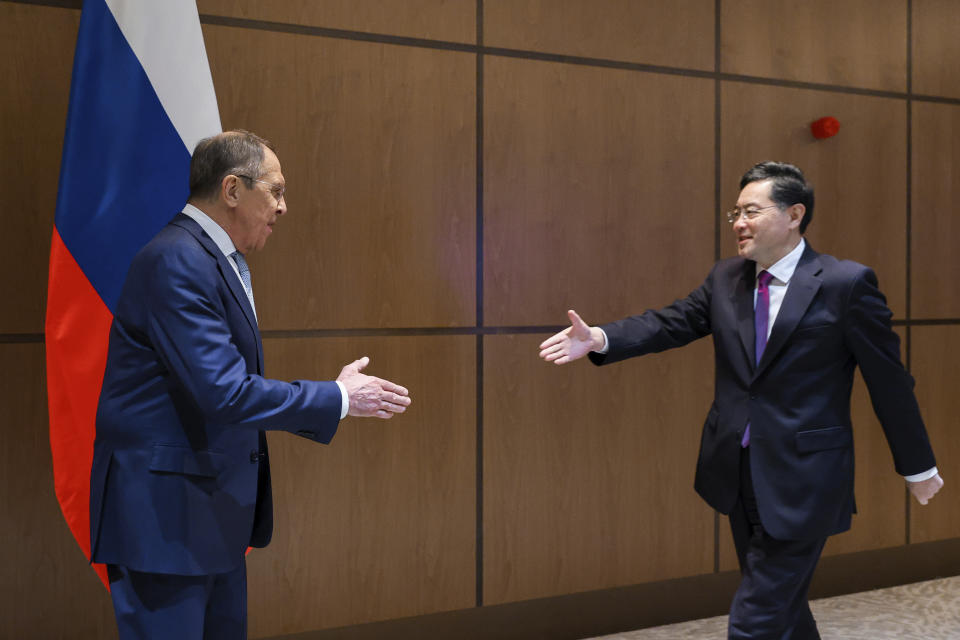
(141, 98)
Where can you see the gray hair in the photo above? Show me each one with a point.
(238, 153)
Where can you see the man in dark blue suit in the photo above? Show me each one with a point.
(789, 328)
(180, 484)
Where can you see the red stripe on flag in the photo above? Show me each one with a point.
(77, 333)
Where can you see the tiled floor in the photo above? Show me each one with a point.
(921, 611)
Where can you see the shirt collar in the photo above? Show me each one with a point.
(214, 230)
(783, 268)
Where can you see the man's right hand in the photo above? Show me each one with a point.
(572, 343)
(370, 396)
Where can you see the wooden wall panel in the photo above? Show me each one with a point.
(935, 193)
(377, 144)
(675, 34)
(859, 175)
(858, 43)
(936, 47)
(588, 472)
(381, 523)
(936, 351)
(36, 53)
(47, 590)
(596, 183)
(432, 19)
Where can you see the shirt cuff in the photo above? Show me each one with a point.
(606, 343)
(344, 400)
(920, 477)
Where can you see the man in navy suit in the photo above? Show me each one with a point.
(180, 484)
(789, 328)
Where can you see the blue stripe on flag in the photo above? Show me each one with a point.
(125, 170)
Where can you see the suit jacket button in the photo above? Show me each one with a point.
(254, 455)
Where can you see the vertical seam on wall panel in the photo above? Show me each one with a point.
(479, 533)
(717, 205)
(909, 206)
(479, 303)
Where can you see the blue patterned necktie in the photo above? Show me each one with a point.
(245, 277)
(761, 320)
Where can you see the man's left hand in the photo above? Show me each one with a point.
(926, 489)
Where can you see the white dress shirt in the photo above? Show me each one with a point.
(222, 239)
(781, 271)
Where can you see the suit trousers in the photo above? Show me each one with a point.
(163, 606)
(771, 601)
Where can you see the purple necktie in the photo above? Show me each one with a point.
(761, 317)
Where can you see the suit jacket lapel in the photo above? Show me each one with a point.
(228, 274)
(236, 288)
(743, 305)
(800, 293)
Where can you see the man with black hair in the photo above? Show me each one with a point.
(789, 328)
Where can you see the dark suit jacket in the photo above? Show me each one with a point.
(797, 399)
(181, 480)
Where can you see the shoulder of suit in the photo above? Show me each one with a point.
(840, 268)
(728, 266)
(175, 246)
(181, 236)
(830, 267)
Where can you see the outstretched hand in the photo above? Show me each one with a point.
(370, 396)
(926, 489)
(572, 343)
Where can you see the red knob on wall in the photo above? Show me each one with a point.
(825, 127)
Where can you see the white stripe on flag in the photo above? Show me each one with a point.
(167, 39)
